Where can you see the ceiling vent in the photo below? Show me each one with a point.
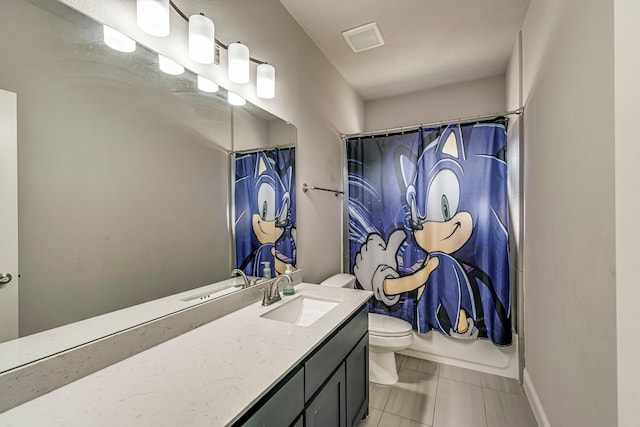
(364, 37)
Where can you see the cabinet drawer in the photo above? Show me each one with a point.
(283, 407)
(326, 359)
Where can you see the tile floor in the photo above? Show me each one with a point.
(437, 395)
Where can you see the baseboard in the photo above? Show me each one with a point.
(534, 401)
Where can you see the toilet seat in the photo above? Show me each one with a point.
(387, 326)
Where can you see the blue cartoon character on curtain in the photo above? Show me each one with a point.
(446, 262)
(265, 211)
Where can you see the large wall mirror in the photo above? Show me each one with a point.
(125, 173)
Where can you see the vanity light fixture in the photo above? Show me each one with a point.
(238, 58)
(118, 41)
(266, 81)
(202, 40)
(236, 100)
(169, 66)
(153, 17)
(207, 85)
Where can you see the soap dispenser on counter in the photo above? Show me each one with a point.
(266, 271)
(288, 289)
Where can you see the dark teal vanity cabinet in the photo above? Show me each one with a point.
(329, 388)
(357, 379)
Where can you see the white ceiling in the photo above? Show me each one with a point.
(429, 43)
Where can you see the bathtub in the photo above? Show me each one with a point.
(480, 355)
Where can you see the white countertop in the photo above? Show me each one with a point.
(38, 346)
(209, 376)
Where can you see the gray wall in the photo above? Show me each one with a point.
(569, 246)
(485, 96)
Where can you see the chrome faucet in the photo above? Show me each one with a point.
(272, 293)
(237, 272)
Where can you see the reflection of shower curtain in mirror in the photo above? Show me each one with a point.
(265, 210)
(428, 228)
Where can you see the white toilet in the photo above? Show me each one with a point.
(386, 336)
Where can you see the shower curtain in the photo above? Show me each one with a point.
(428, 228)
(265, 211)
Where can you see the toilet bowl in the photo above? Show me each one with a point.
(387, 335)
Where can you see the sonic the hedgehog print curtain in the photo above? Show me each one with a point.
(428, 228)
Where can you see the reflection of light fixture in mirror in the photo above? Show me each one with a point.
(153, 17)
(118, 41)
(266, 81)
(169, 66)
(238, 62)
(207, 85)
(202, 41)
(234, 99)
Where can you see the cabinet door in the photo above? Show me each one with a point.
(333, 352)
(328, 407)
(357, 385)
(283, 406)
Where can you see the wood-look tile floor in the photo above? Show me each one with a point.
(429, 394)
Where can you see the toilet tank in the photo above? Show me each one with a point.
(341, 280)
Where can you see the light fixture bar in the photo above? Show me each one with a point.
(202, 49)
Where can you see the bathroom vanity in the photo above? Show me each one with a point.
(329, 388)
(255, 366)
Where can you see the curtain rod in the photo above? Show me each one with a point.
(518, 112)
(255, 150)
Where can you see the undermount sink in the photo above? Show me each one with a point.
(302, 310)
